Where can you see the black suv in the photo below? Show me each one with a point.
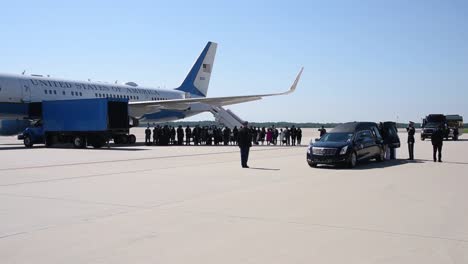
(347, 144)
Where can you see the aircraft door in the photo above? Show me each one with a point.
(26, 90)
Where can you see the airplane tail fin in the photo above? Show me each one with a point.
(197, 81)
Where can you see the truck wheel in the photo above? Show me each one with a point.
(79, 142)
(49, 141)
(422, 138)
(27, 142)
(131, 139)
(124, 139)
(352, 160)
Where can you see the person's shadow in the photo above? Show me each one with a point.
(264, 169)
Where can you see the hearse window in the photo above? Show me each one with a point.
(366, 135)
(376, 133)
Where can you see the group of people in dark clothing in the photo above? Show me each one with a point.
(169, 135)
(437, 140)
(213, 135)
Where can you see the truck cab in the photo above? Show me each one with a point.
(33, 134)
(453, 126)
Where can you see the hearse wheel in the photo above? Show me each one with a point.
(352, 160)
(381, 156)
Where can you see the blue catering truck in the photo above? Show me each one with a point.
(81, 122)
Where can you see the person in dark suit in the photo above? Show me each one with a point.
(245, 142)
(411, 131)
(437, 142)
(148, 135)
(188, 135)
(180, 135)
(322, 131)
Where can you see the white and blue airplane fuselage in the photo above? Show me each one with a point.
(17, 92)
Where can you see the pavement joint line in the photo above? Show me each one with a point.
(136, 159)
(124, 172)
(68, 200)
(362, 229)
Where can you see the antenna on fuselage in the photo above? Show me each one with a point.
(116, 81)
(24, 72)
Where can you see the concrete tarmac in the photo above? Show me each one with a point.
(182, 204)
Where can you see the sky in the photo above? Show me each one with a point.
(366, 60)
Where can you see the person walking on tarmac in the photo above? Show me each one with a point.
(411, 131)
(148, 135)
(437, 142)
(245, 142)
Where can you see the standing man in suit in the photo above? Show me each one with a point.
(148, 135)
(411, 131)
(245, 142)
(437, 142)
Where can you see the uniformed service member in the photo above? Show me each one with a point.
(411, 131)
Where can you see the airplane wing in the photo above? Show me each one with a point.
(181, 104)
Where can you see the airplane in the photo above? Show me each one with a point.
(18, 92)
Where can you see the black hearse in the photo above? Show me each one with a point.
(347, 144)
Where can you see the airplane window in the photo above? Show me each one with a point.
(45, 91)
(81, 94)
(72, 93)
(63, 92)
(55, 91)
